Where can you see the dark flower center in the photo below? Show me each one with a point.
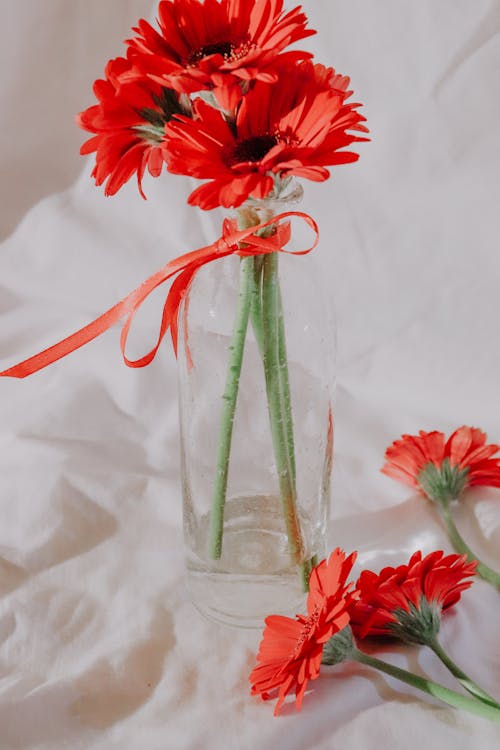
(253, 149)
(234, 50)
(219, 48)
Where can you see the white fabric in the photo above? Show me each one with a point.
(99, 647)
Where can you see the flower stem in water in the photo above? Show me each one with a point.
(230, 396)
(271, 347)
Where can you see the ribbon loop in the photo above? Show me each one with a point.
(245, 242)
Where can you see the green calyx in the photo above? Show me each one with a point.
(443, 483)
(339, 648)
(151, 133)
(418, 625)
(169, 105)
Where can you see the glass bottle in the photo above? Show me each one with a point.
(255, 396)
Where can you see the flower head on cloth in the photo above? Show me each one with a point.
(296, 126)
(128, 124)
(406, 602)
(442, 469)
(217, 45)
(403, 602)
(291, 650)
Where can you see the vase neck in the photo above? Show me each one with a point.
(281, 199)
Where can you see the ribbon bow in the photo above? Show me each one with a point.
(232, 242)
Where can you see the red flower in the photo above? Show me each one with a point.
(291, 650)
(295, 126)
(129, 126)
(205, 44)
(442, 468)
(407, 601)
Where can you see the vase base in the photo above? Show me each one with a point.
(243, 602)
(254, 576)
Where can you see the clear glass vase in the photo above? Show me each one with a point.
(255, 391)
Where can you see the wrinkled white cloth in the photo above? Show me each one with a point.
(99, 646)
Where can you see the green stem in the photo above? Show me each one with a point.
(256, 314)
(483, 570)
(286, 400)
(270, 318)
(256, 303)
(230, 396)
(464, 679)
(431, 688)
(285, 386)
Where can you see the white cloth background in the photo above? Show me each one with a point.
(99, 647)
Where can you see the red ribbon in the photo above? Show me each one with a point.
(184, 268)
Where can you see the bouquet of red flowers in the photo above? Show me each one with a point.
(215, 93)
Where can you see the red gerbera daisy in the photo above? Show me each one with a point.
(407, 601)
(442, 468)
(291, 650)
(295, 126)
(129, 126)
(217, 45)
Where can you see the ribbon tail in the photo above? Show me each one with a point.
(168, 319)
(178, 291)
(126, 307)
(241, 242)
(70, 344)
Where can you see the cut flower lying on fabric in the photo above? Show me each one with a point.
(405, 602)
(443, 470)
(291, 650)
